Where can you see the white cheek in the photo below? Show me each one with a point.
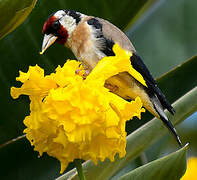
(69, 23)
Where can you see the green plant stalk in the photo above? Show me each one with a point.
(79, 168)
(139, 140)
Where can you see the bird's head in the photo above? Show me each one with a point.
(59, 27)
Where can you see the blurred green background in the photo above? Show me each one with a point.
(165, 36)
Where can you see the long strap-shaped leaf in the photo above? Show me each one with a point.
(171, 166)
(139, 140)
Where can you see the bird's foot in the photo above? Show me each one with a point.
(82, 72)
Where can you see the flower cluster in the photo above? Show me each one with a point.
(72, 117)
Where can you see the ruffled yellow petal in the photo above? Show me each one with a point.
(67, 74)
(113, 65)
(34, 83)
(125, 56)
(75, 118)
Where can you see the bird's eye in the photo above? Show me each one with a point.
(56, 25)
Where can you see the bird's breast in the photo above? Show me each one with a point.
(84, 46)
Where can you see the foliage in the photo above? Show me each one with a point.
(13, 13)
(164, 168)
(21, 48)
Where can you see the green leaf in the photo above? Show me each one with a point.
(13, 13)
(171, 166)
(139, 140)
(179, 80)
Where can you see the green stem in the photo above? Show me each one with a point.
(78, 165)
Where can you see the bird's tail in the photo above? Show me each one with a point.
(164, 118)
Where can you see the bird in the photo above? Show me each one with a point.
(91, 39)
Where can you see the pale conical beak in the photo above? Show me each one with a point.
(47, 41)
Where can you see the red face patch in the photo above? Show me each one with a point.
(62, 35)
(53, 26)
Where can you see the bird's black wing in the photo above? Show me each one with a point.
(139, 66)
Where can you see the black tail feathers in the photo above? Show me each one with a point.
(172, 129)
(164, 118)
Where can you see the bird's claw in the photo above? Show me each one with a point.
(82, 72)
